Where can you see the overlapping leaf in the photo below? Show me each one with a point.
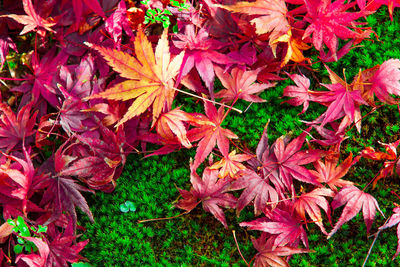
(150, 76)
(210, 192)
(355, 199)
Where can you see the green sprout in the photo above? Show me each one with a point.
(22, 230)
(127, 206)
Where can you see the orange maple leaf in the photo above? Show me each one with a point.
(231, 164)
(150, 76)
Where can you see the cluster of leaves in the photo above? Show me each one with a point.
(67, 121)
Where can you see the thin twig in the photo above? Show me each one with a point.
(160, 219)
(205, 99)
(373, 243)
(237, 245)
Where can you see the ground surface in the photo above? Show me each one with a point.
(198, 239)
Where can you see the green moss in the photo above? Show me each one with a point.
(117, 239)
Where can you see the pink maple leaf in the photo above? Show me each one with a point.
(255, 188)
(200, 52)
(393, 220)
(267, 255)
(210, 190)
(240, 84)
(355, 199)
(287, 228)
(300, 92)
(328, 21)
(386, 81)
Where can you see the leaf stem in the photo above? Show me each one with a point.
(373, 243)
(205, 99)
(166, 218)
(237, 245)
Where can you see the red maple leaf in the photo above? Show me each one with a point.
(355, 199)
(342, 102)
(78, 6)
(391, 161)
(271, 17)
(200, 52)
(282, 162)
(210, 191)
(63, 194)
(311, 203)
(210, 132)
(63, 246)
(32, 21)
(34, 259)
(328, 21)
(100, 162)
(170, 124)
(256, 188)
(15, 129)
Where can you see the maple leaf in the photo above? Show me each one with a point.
(32, 20)
(211, 133)
(230, 165)
(355, 199)
(390, 158)
(118, 21)
(341, 101)
(15, 129)
(286, 227)
(282, 162)
(150, 76)
(210, 190)
(300, 92)
(393, 220)
(171, 123)
(331, 173)
(16, 183)
(200, 52)
(240, 84)
(112, 111)
(268, 256)
(257, 189)
(5, 43)
(34, 259)
(309, 202)
(328, 21)
(295, 48)
(77, 5)
(63, 247)
(101, 163)
(39, 83)
(272, 16)
(386, 81)
(332, 137)
(62, 193)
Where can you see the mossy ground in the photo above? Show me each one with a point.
(197, 239)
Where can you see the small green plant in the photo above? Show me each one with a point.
(158, 16)
(127, 206)
(162, 16)
(22, 230)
